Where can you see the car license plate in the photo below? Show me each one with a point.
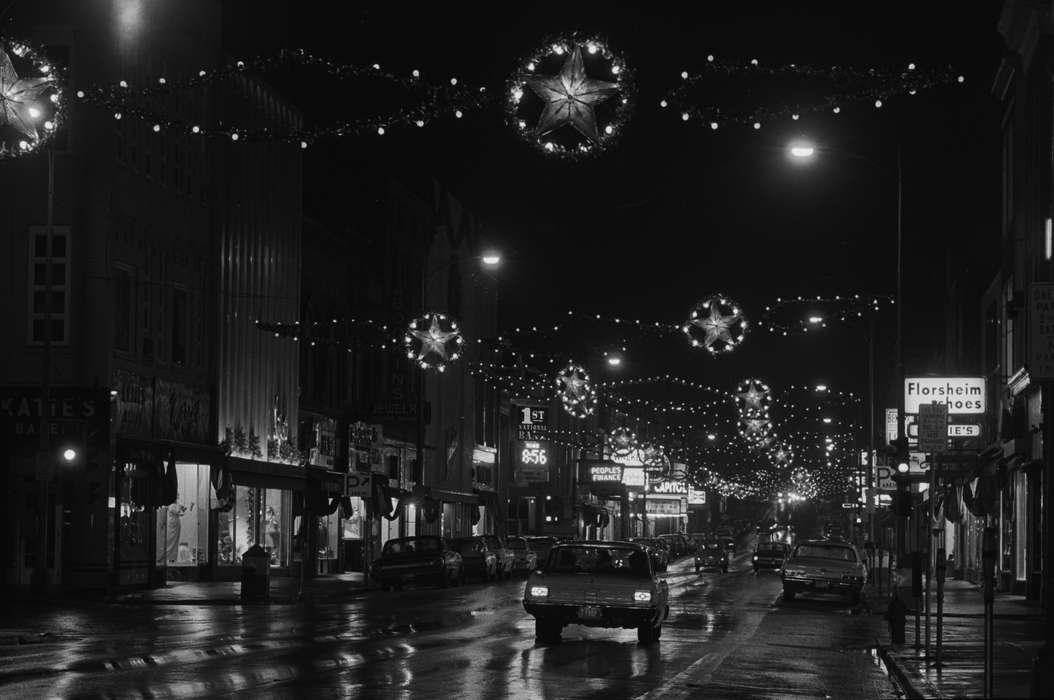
(822, 584)
(589, 612)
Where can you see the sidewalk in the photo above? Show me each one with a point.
(283, 590)
(1018, 635)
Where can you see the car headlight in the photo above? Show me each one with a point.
(755, 557)
(642, 596)
(539, 591)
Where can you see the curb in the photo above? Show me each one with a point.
(897, 674)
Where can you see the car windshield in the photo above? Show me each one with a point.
(824, 551)
(613, 561)
(408, 545)
(772, 547)
(712, 545)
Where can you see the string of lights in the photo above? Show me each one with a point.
(846, 86)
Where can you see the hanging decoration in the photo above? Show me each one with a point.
(716, 324)
(621, 441)
(572, 97)
(433, 341)
(656, 461)
(31, 99)
(835, 87)
(781, 454)
(799, 315)
(754, 430)
(575, 390)
(753, 398)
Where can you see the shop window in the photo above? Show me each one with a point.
(327, 542)
(411, 521)
(352, 527)
(135, 518)
(1021, 525)
(182, 527)
(259, 516)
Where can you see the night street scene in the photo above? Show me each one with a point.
(526, 350)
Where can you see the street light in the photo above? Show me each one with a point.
(490, 259)
(69, 454)
(801, 151)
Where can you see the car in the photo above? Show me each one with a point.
(597, 584)
(678, 544)
(769, 554)
(421, 558)
(711, 555)
(541, 544)
(824, 566)
(526, 559)
(477, 559)
(658, 551)
(697, 539)
(504, 554)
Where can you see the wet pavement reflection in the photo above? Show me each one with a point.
(729, 635)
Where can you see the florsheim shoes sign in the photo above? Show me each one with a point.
(963, 395)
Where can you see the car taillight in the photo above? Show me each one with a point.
(642, 596)
(540, 591)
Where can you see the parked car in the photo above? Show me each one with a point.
(597, 584)
(769, 554)
(711, 555)
(477, 559)
(525, 559)
(541, 544)
(658, 551)
(423, 558)
(678, 544)
(505, 555)
(824, 566)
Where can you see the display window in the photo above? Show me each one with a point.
(259, 516)
(390, 528)
(1020, 495)
(182, 527)
(352, 527)
(134, 487)
(328, 533)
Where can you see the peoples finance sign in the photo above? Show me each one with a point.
(961, 394)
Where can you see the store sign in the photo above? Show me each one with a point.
(605, 472)
(662, 507)
(963, 430)
(963, 395)
(891, 424)
(532, 422)
(78, 413)
(933, 427)
(696, 498)
(633, 476)
(531, 461)
(671, 487)
(358, 484)
(1041, 331)
(633, 459)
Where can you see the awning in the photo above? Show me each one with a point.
(456, 496)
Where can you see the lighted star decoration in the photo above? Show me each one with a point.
(781, 454)
(753, 397)
(656, 461)
(433, 341)
(754, 430)
(622, 441)
(30, 99)
(716, 324)
(572, 97)
(575, 390)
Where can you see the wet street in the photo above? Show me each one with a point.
(729, 635)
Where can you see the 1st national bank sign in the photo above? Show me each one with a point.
(961, 394)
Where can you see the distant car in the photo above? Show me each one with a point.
(696, 539)
(505, 555)
(824, 566)
(711, 555)
(477, 560)
(597, 584)
(423, 558)
(526, 559)
(769, 555)
(678, 544)
(541, 544)
(658, 551)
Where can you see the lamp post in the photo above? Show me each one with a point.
(804, 152)
(490, 260)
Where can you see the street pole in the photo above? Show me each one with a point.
(900, 345)
(45, 461)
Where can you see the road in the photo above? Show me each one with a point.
(729, 635)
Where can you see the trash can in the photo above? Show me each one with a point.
(256, 574)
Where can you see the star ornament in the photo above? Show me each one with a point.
(433, 341)
(553, 99)
(575, 390)
(29, 106)
(716, 324)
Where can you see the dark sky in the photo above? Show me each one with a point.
(675, 212)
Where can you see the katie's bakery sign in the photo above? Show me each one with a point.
(961, 394)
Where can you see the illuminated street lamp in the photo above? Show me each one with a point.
(490, 259)
(69, 455)
(801, 151)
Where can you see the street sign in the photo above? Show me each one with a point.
(533, 423)
(961, 394)
(963, 430)
(848, 506)
(358, 483)
(884, 479)
(933, 427)
(1041, 331)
